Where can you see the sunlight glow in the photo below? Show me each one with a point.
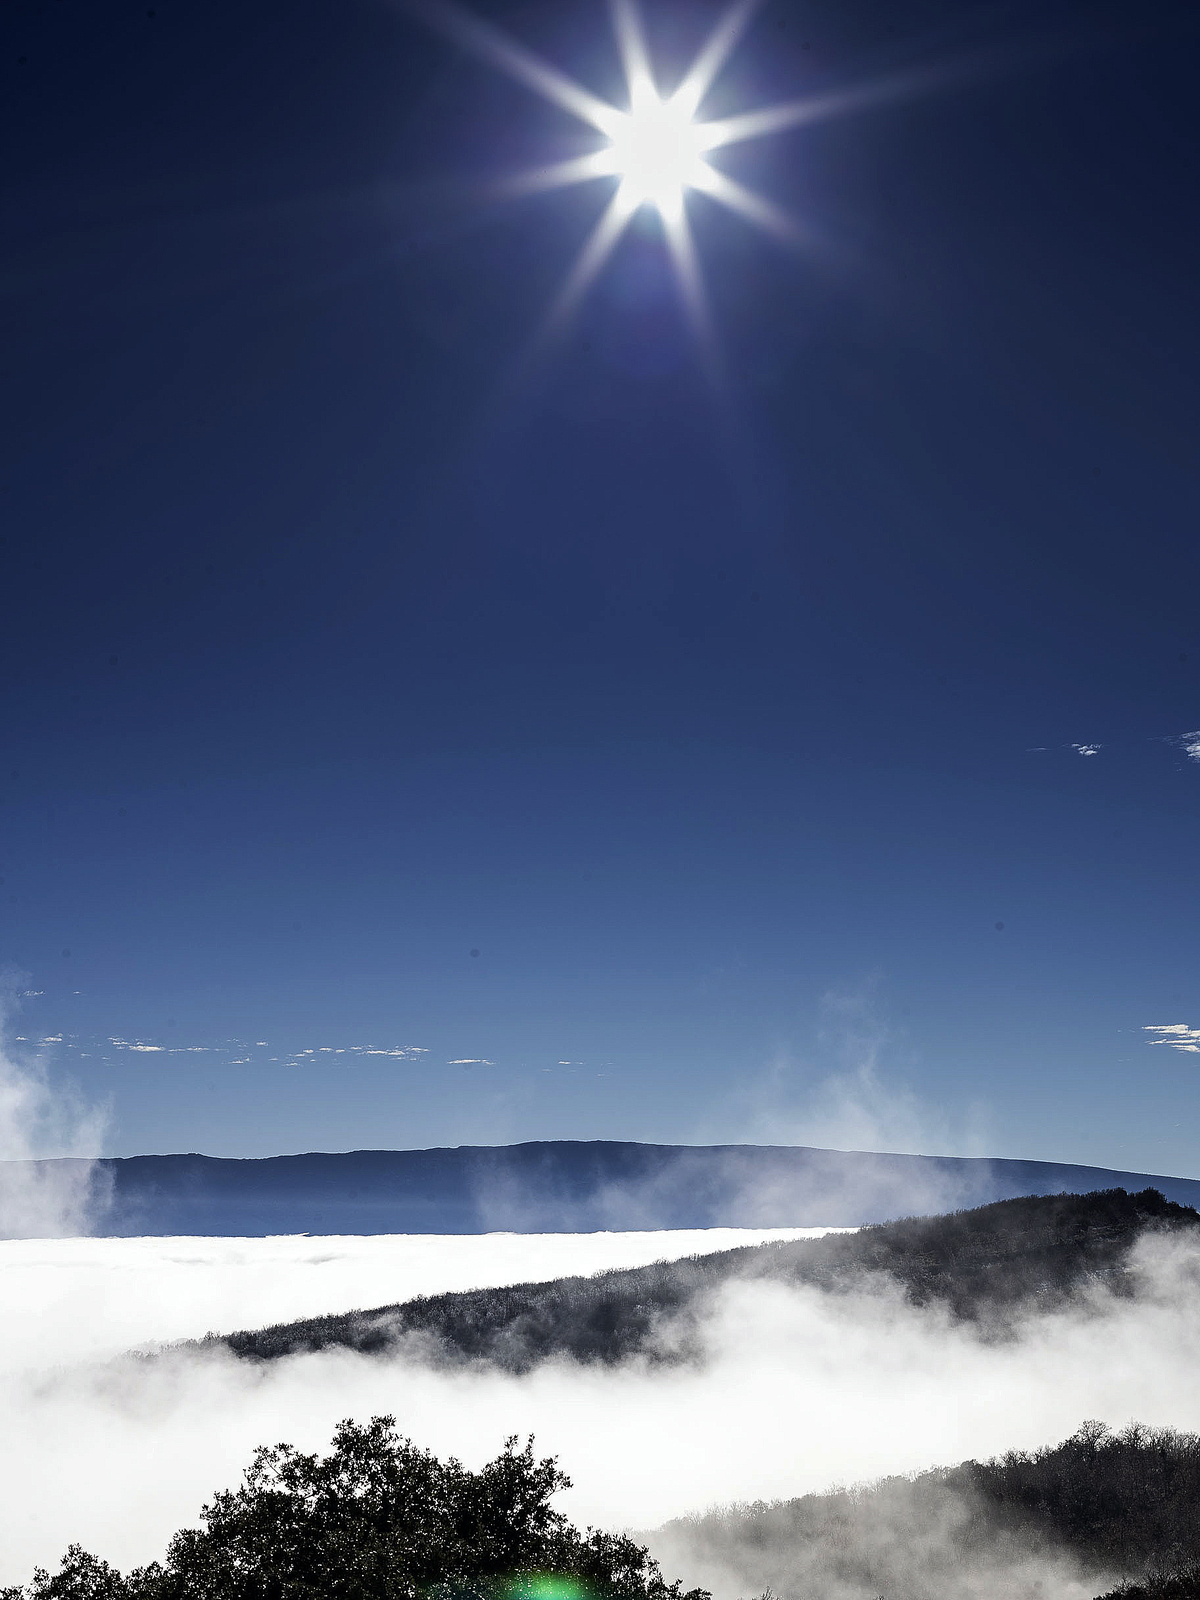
(656, 155)
(655, 149)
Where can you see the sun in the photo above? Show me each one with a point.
(655, 148)
(657, 153)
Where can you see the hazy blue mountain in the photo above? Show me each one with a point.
(564, 1186)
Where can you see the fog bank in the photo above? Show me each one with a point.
(69, 1300)
(903, 1539)
(798, 1390)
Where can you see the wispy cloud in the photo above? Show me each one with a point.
(245, 1052)
(1188, 743)
(1177, 1034)
(408, 1052)
(397, 1052)
(240, 1051)
(37, 1121)
(849, 1091)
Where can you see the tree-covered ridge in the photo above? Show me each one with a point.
(1101, 1505)
(984, 1263)
(378, 1519)
(1130, 1498)
(1182, 1585)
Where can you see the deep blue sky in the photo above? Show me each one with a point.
(727, 731)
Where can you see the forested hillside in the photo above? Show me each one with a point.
(379, 1519)
(1101, 1509)
(983, 1265)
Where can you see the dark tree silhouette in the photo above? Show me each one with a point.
(378, 1519)
(1183, 1585)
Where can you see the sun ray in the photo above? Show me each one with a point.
(557, 174)
(771, 119)
(690, 280)
(597, 248)
(631, 42)
(713, 55)
(820, 108)
(771, 218)
(482, 39)
(655, 148)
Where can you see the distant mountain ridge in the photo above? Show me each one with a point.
(553, 1187)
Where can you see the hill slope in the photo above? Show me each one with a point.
(982, 1264)
(1096, 1509)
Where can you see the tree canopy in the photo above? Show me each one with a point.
(378, 1519)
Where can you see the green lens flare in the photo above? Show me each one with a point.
(545, 1586)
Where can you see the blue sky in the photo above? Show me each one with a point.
(594, 755)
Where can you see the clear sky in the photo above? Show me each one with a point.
(415, 733)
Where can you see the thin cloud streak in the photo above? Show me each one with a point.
(1176, 1034)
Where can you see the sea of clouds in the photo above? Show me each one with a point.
(798, 1389)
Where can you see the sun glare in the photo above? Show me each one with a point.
(656, 155)
(656, 150)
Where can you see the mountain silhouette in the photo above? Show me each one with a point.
(559, 1186)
